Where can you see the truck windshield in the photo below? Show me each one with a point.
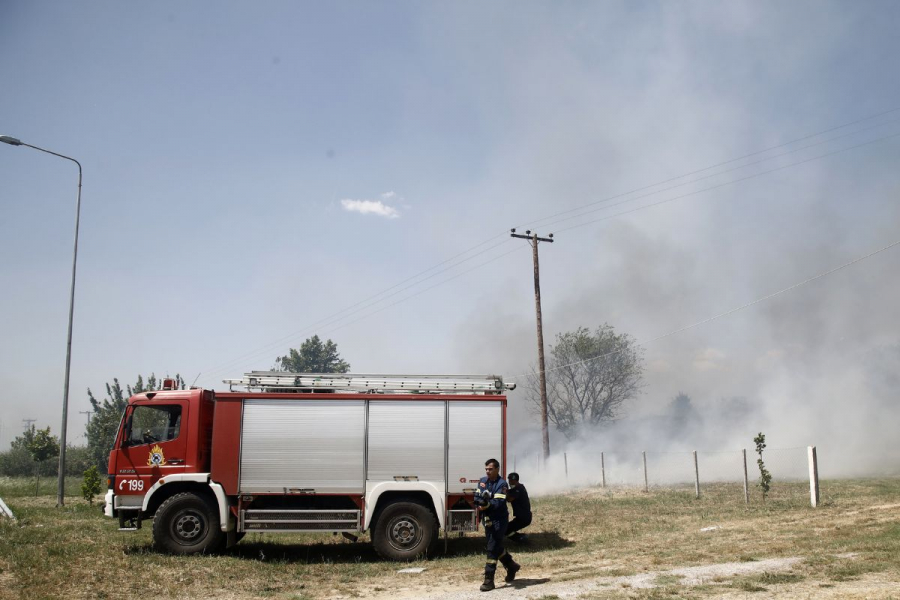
(151, 424)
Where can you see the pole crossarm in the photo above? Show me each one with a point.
(532, 237)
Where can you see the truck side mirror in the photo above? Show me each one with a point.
(126, 435)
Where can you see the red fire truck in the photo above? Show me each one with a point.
(394, 455)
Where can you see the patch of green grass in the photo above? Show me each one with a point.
(617, 572)
(853, 570)
(24, 487)
(663, 580)
(748, 586)
(776, 578)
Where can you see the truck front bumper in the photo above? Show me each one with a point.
(108, 507)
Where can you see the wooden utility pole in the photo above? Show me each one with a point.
(533, 239)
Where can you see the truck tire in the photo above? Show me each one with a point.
(404, 531)
(187, 524)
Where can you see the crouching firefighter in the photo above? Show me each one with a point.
(490, 500)
(521, 505)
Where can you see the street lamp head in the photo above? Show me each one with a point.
(10, 140)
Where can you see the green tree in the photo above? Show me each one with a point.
(313, 357)
(41, 447)
(78, 458)
(108, 412)
(21, 442)
(90, 486)
(590, 376)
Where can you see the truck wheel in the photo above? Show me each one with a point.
(187, 524)
(404, 531)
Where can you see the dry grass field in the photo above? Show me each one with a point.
(587, 543)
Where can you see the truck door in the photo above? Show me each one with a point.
(154, 445)
(476, 434)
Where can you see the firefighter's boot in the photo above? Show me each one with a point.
(512, 567)
(488, 584)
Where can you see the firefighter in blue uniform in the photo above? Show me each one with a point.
(517, 496)
(490, 500)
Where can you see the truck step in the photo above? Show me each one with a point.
(299, 520)
(129, 520)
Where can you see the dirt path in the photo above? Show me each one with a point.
(536, 585)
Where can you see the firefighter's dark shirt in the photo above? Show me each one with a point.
(518, 498)
(496, 493)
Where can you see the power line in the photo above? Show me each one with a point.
(338, 316)
(596, 220)
(440, 283)
(729, 312)
(721, 185)
(371, 300)
(752, 176)
(733, 160)
(711, 175)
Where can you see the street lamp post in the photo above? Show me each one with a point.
(61, 482)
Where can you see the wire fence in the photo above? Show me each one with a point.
(790, 469)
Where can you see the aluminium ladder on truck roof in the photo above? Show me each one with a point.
(372, 383)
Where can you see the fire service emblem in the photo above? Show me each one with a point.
(156, 458)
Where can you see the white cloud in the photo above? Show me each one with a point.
(371, 207)
(388, 195)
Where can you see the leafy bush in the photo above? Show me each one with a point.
(90, 487)
(17, 462)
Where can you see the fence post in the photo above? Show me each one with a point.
(566, 465)
(813, 476)
(746, 482)
(696, 475)
(602, 471)
(646, 484)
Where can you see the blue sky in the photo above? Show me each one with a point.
(223, 143)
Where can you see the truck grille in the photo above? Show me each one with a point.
(299, 520)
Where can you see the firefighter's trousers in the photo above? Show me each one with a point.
(495, 532)
(518, 523)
